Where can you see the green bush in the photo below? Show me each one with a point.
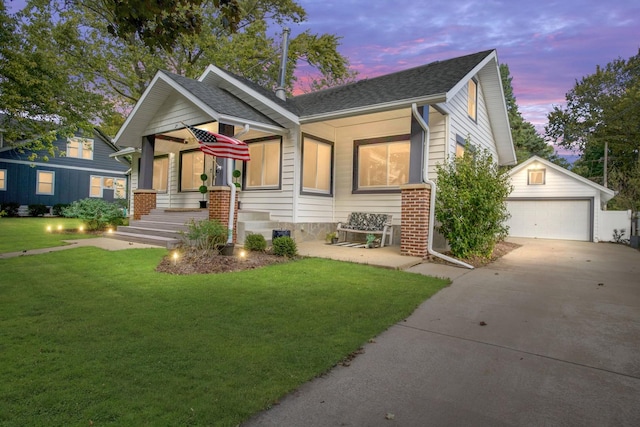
(96, 214)
(255, 242)
(285, 246)
(38, 210)
(57, 208)
(206, 234)
(10, 208)
(470, 204)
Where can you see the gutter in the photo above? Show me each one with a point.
(425, 179)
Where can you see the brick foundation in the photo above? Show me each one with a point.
(143, 202)
(219, 200)
(414, 228)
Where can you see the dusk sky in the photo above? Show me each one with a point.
(548, 45)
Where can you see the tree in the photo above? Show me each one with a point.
(471, 203)
(601, 120)
(526, 139)
(41, 97)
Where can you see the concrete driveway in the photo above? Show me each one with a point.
(547, 335)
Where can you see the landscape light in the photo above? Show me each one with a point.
(49, 228)
(59, 228)
(243, 254)
(81, 228)
(175, 257)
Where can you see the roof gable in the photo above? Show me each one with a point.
(606, 194)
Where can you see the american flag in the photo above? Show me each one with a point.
(220, 145)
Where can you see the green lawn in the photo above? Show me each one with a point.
(95, 337)
(18, 234)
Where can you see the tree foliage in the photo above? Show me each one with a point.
(98, 56)
(526, 139)
(40, 97)
(602, 111)
(471, 203)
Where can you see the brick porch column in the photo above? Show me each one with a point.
(143, 202)
(414, 226)
(219, 200)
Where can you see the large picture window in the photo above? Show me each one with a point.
(317, 155)
(161, 173)
(472, 101)
(381, 164)
(80, 148)
(3, 179)
(45, 182)
(191, 167)
(263, 171)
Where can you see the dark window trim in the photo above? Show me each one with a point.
(331, 166)
(244, 165)
(370, 141)
(180, 171)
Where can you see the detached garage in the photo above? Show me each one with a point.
(550, 202)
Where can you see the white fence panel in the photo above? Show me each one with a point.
(614, 220)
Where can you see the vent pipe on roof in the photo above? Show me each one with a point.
(280, 92)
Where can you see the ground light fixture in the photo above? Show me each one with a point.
(48, 228)
(175, 257)
(59, 228)
(243, 254)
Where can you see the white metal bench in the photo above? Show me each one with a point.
(368, 223)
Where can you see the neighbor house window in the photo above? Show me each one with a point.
(536, 177)
(317, 155)
(263, 171)
(382, 163)
(99, 183)
(3, 179)
(191, 167)
(472, 102)
(80, 148)
(161, 173)
(45, 181)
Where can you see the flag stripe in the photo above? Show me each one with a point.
(220, 145)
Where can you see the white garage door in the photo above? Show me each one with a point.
(550, 219)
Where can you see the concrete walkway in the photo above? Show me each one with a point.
(547, 335)
(99, 242)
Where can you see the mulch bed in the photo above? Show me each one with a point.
(194, 261)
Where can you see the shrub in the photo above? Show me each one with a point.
(38, 210)
(57, 208)
(206, 234)
(470, 204)
(285, 246)
(10, 208)
(96, 214)
(255, 242)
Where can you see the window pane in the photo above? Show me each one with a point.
(372, 168)
(398, 163)
(310, 164)
(160, 173)
(254, 167)
(3, 179)
(95, 189)
(383, 164)
(73, 148)
(107, 183)
(120, 189)
(45, 182)
(192, 168)
(87, 149)
(324, 167)
(473, 99)
(272, 164)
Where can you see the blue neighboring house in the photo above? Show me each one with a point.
(85, 170)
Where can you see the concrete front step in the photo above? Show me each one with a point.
(146, 230)
(159, 225)
(166, 242)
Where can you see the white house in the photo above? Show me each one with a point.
(551, 202)
(369, 146)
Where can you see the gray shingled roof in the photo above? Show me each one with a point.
(220, 100)
(432, 79)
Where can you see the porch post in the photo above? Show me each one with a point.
(221, 164)
(219, 199)
(417, 147)
(145, 180)
(414, 225)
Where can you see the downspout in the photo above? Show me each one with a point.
(232, 186)
(425, 179)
